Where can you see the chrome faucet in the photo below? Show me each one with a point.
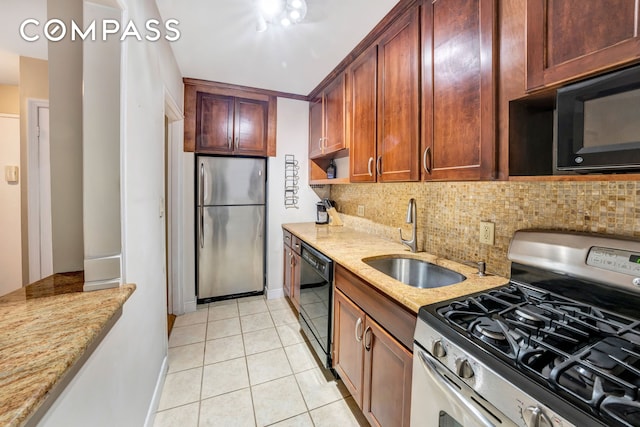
(412, 218)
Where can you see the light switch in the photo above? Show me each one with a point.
(11, 174)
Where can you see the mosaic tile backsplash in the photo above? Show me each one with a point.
(449, 213)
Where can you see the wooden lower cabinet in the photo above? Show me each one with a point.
(348, 359)
(295, 279)
(374, 366)
(291, 269)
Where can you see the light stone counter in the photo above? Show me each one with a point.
(348, 247)
(47, 330)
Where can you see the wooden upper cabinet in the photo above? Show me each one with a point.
(398, 117)
(316, 128)
(334, 99)
(569, 39)
(250, 131)
(225, 120)
(214, 123)
(459, 90)
(326, 120)
(361, 116)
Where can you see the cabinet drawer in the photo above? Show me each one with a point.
(397, 320)
(295, 244)
(286, 237)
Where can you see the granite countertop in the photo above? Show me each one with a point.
(348, 247)
(47, 330)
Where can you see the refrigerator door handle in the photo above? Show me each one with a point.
(201, 205)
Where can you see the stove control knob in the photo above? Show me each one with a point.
(438, 349)
(465, 370)
(534, 417)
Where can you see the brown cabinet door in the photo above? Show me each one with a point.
(295, 280)
(334, 116)
(387, 378)
(347, 340)
(398, 100)
(362, 76)
(316, 128)
(250, 127)
(459, 90)
(568, 39)
(214, 124)
(286, 270)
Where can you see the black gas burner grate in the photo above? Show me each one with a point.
(588, 355)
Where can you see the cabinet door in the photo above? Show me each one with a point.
(459, 90)
(398, 105)
(286, 270)
(295, 279)
(214, 123)
(316, 128)
(250, 127)
(567, 39)
(334, 116)
(361, 116)
(387, 378)
(347, 341)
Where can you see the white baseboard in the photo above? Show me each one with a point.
(157, 393)
(190, 306)
(275, 293)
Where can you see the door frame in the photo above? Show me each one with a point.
(34, 212)
(174, 194)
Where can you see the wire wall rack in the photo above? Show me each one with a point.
(291, 177)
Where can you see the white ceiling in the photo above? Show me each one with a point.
(219, 41)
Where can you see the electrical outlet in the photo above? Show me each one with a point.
(487, 232)
(360, 210)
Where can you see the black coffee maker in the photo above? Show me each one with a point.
(322, 217)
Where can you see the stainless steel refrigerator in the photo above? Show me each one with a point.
(230, 226)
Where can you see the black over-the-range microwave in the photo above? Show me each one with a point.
(598, 124)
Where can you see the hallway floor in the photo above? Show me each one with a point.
(244, 363)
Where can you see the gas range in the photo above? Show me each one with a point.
(557, 346)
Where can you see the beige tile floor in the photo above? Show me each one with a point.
(245, 363)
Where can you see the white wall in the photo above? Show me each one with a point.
(116, 385)
(292, 138)
(65, 118)
(101, 155)
(10, 243)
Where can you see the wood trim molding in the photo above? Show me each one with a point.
(367, 41)
(239, 91)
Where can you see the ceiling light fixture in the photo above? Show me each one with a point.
(280, 12)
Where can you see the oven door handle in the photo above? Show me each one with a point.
(430, 365)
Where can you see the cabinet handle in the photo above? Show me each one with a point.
(320, 144)
(369, 166)
(291, 259)
(359, 329)
(229, 142)
(378, 163)
(237, 141)
(427, 151)
(201, 234)
(326, 142)
(367, 338)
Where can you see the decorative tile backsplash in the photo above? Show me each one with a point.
(449, 213)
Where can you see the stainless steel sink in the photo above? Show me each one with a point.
(414, 272)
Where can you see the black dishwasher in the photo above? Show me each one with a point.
(316, 301)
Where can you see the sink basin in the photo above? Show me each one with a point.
(415, 272)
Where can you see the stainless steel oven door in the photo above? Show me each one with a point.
(440, 399)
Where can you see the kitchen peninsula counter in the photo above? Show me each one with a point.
(348, 247)
(47, 331)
